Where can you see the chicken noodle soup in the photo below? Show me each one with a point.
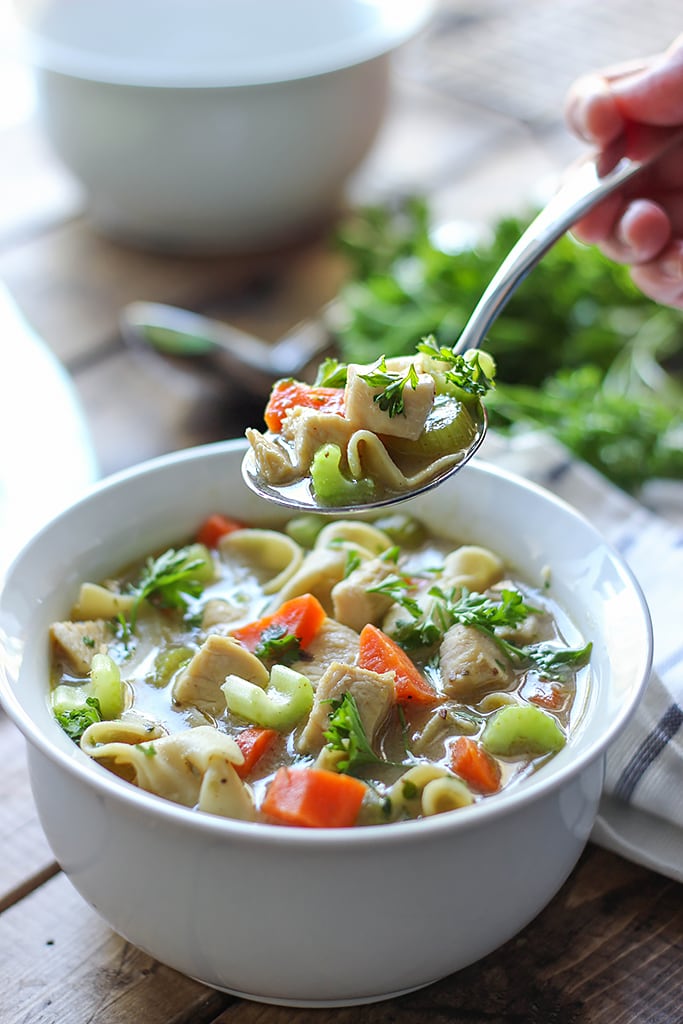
(332, 673)
(361, 433)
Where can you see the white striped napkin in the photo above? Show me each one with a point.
(641, 814)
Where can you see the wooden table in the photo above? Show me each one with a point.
(608, 948)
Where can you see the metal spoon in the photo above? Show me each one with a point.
(248, 362)
(583, 188)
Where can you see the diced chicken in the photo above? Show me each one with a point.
(75, 643)
(218, 613)
(308, 430)
(333, 642)
(372, 691)
(471, 663)
(364, 413)
(272, 461)
(353, 602)
(218, 657)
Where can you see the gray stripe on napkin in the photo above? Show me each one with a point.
(653, 744)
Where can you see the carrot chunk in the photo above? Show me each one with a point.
(474, 765)
(291, 394)
(380, 653)
(314, 798)
(215, 527)
(254, 743)
(301, 617)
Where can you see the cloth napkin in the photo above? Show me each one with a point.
(641, 812)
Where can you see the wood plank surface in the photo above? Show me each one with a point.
(582, 959)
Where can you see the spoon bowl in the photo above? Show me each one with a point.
(300, 497)
(584, 187)
(247, 362)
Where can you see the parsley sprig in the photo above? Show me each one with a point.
(277, 645)
(472, 373)
(169, 581)
(391, 398)
(75, 721)
(345, 733)
(427, 626)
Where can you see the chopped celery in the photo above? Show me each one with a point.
(330, 485)
(75, 709)
(403, 529)
(305, 529)
(166, 663)
(204, 569)
(288, 697)
(107, 687)
(517, 729)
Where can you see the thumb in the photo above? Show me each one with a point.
(655, 95)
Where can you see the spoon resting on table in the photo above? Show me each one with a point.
(583, 188)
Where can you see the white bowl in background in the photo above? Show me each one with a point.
(213, 124)
(317, 917)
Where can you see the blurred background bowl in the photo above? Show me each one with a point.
(206, 125)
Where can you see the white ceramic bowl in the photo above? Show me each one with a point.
(204, 124)
(317, 917)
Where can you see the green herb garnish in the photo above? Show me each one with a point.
(331, 374)
(169, 581)
(390, 399)
(277, 645)
(345, 733)
(75, 721)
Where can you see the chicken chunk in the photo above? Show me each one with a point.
(219, 615)
(364, 413)
(372, 691)
(471, 663)
(353, 602)
(333, 642)
(272, 461)
(75, 643)
(218, 657)
(308, 430)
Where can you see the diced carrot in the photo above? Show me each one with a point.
(474, 765)
(254, 743)
(215, 527)
(301, 616)
(552, 696)
(290, 394)
(314, 798)
(380, 653)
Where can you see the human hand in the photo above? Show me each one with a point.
(620, 110)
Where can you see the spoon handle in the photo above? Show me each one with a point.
(580, 192)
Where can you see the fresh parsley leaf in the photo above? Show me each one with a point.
(557, 662)
(390, 399)
(471, 373)
(277, 645)
(331, 374)
(169, 581)
(75, 721)
(353, 561)
(345, 733)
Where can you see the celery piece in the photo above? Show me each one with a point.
(107, 687)
(330, 485)
(75, 709)
(522, 729)
(403, 529)
(305, 529)
(65, 698)
(167, 663)
(205, 570)
(285, 701)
